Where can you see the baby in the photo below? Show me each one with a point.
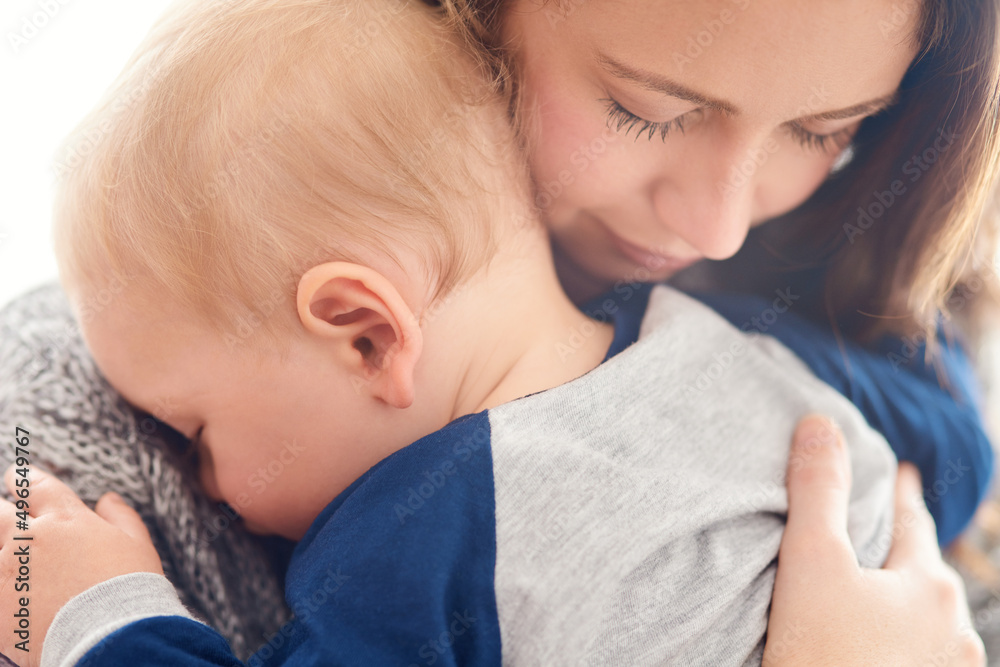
(329, 277)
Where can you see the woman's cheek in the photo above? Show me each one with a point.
(789, 178)
(568, 140)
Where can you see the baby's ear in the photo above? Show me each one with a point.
(371, 329)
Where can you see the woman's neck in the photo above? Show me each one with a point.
(580, 285)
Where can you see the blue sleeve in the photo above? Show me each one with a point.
(397, 570)
(939, 430)
(166, 641)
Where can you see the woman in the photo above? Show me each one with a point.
(661, 133)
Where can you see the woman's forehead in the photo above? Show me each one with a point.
(771, 56)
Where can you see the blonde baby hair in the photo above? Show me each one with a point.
(248, 140)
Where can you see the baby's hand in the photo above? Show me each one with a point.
(66, 549)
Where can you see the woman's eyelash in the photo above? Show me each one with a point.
(838, 140)
(621, 118)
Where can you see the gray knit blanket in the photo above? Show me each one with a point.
(87, 435)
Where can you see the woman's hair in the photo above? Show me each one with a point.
(886, 267)
(249, 140)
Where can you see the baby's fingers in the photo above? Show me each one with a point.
(42, 491)
(112, 508)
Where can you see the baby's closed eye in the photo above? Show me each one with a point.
(177, 444)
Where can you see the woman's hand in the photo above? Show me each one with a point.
(826, 609)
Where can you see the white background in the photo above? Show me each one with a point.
(47, 86)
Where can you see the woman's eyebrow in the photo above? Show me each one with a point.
(864, 109)
(661, 84)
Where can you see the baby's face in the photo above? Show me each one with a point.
(276, 438)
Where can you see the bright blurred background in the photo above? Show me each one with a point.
(57, 57)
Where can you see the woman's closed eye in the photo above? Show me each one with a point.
(832, 142)
(622, 120)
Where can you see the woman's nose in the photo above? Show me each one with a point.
(706, 196)
(710, 214)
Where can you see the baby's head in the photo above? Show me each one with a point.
(249, 140)
(274, 171)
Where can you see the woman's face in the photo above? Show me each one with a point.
(662, 130)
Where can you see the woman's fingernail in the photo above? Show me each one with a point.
(816, 430)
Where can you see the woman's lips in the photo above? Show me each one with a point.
(654, 262)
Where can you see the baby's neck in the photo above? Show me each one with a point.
(509, 332)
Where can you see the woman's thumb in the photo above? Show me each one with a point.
(819, 489)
